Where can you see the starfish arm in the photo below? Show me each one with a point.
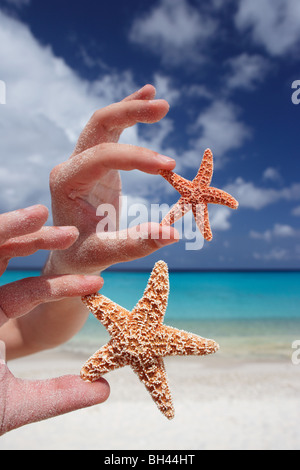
(182, 343)
(151, 308)
(181, 185)
(103, 361)
(153, 375)
(218, 196)
(110, 314)
(177, 211)
(200, 212)
(205, 172)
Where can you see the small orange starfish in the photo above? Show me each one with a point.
(141, 340)
(196, 195)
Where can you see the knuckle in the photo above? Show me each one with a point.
(55, 177)
(97, 115)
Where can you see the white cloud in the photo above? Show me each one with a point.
(197, 91)
(48, 105)
(219, 217)
(296, 211)
(246, 71)
(267, 235)
(292, 193)
(41, 83)
(30, 147)
(272, 174)
(92, 61)
(221, 130)
(164, 89)
(254, 197)
(218, 127)
(279, 231)
(174, 30)
(274, 24)
(276, 254)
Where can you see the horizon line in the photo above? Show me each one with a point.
(112, 269)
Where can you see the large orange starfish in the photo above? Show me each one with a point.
(196, 194)
(141, 340)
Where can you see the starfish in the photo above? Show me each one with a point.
(196, 195)
(141, 340)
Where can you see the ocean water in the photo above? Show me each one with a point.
(251, 314)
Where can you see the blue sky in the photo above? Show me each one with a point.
(226, 68)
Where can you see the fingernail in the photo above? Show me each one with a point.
(165, 159)
(94, 279)
(31, 208)
(158, 101)
(2, 353)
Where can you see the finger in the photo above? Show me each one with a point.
(3, 265)
(92, 164)
(107, 124)
(22, 221)
(148, 92)
(20, 297)
(32, 401)
(134, 243)
(47, 238)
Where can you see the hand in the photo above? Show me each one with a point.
(27, 401)
(22, 233)
(91, 177)
(23, 401)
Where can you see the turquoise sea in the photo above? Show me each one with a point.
(250, 314)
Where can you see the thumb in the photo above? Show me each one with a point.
(135, 242)
(31, 401)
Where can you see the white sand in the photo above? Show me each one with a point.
(219, 404)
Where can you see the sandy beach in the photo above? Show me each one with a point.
(219, 404)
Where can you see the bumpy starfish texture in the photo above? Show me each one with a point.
(141, 340)
(195, 195)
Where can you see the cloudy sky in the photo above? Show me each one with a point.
(225, 66)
